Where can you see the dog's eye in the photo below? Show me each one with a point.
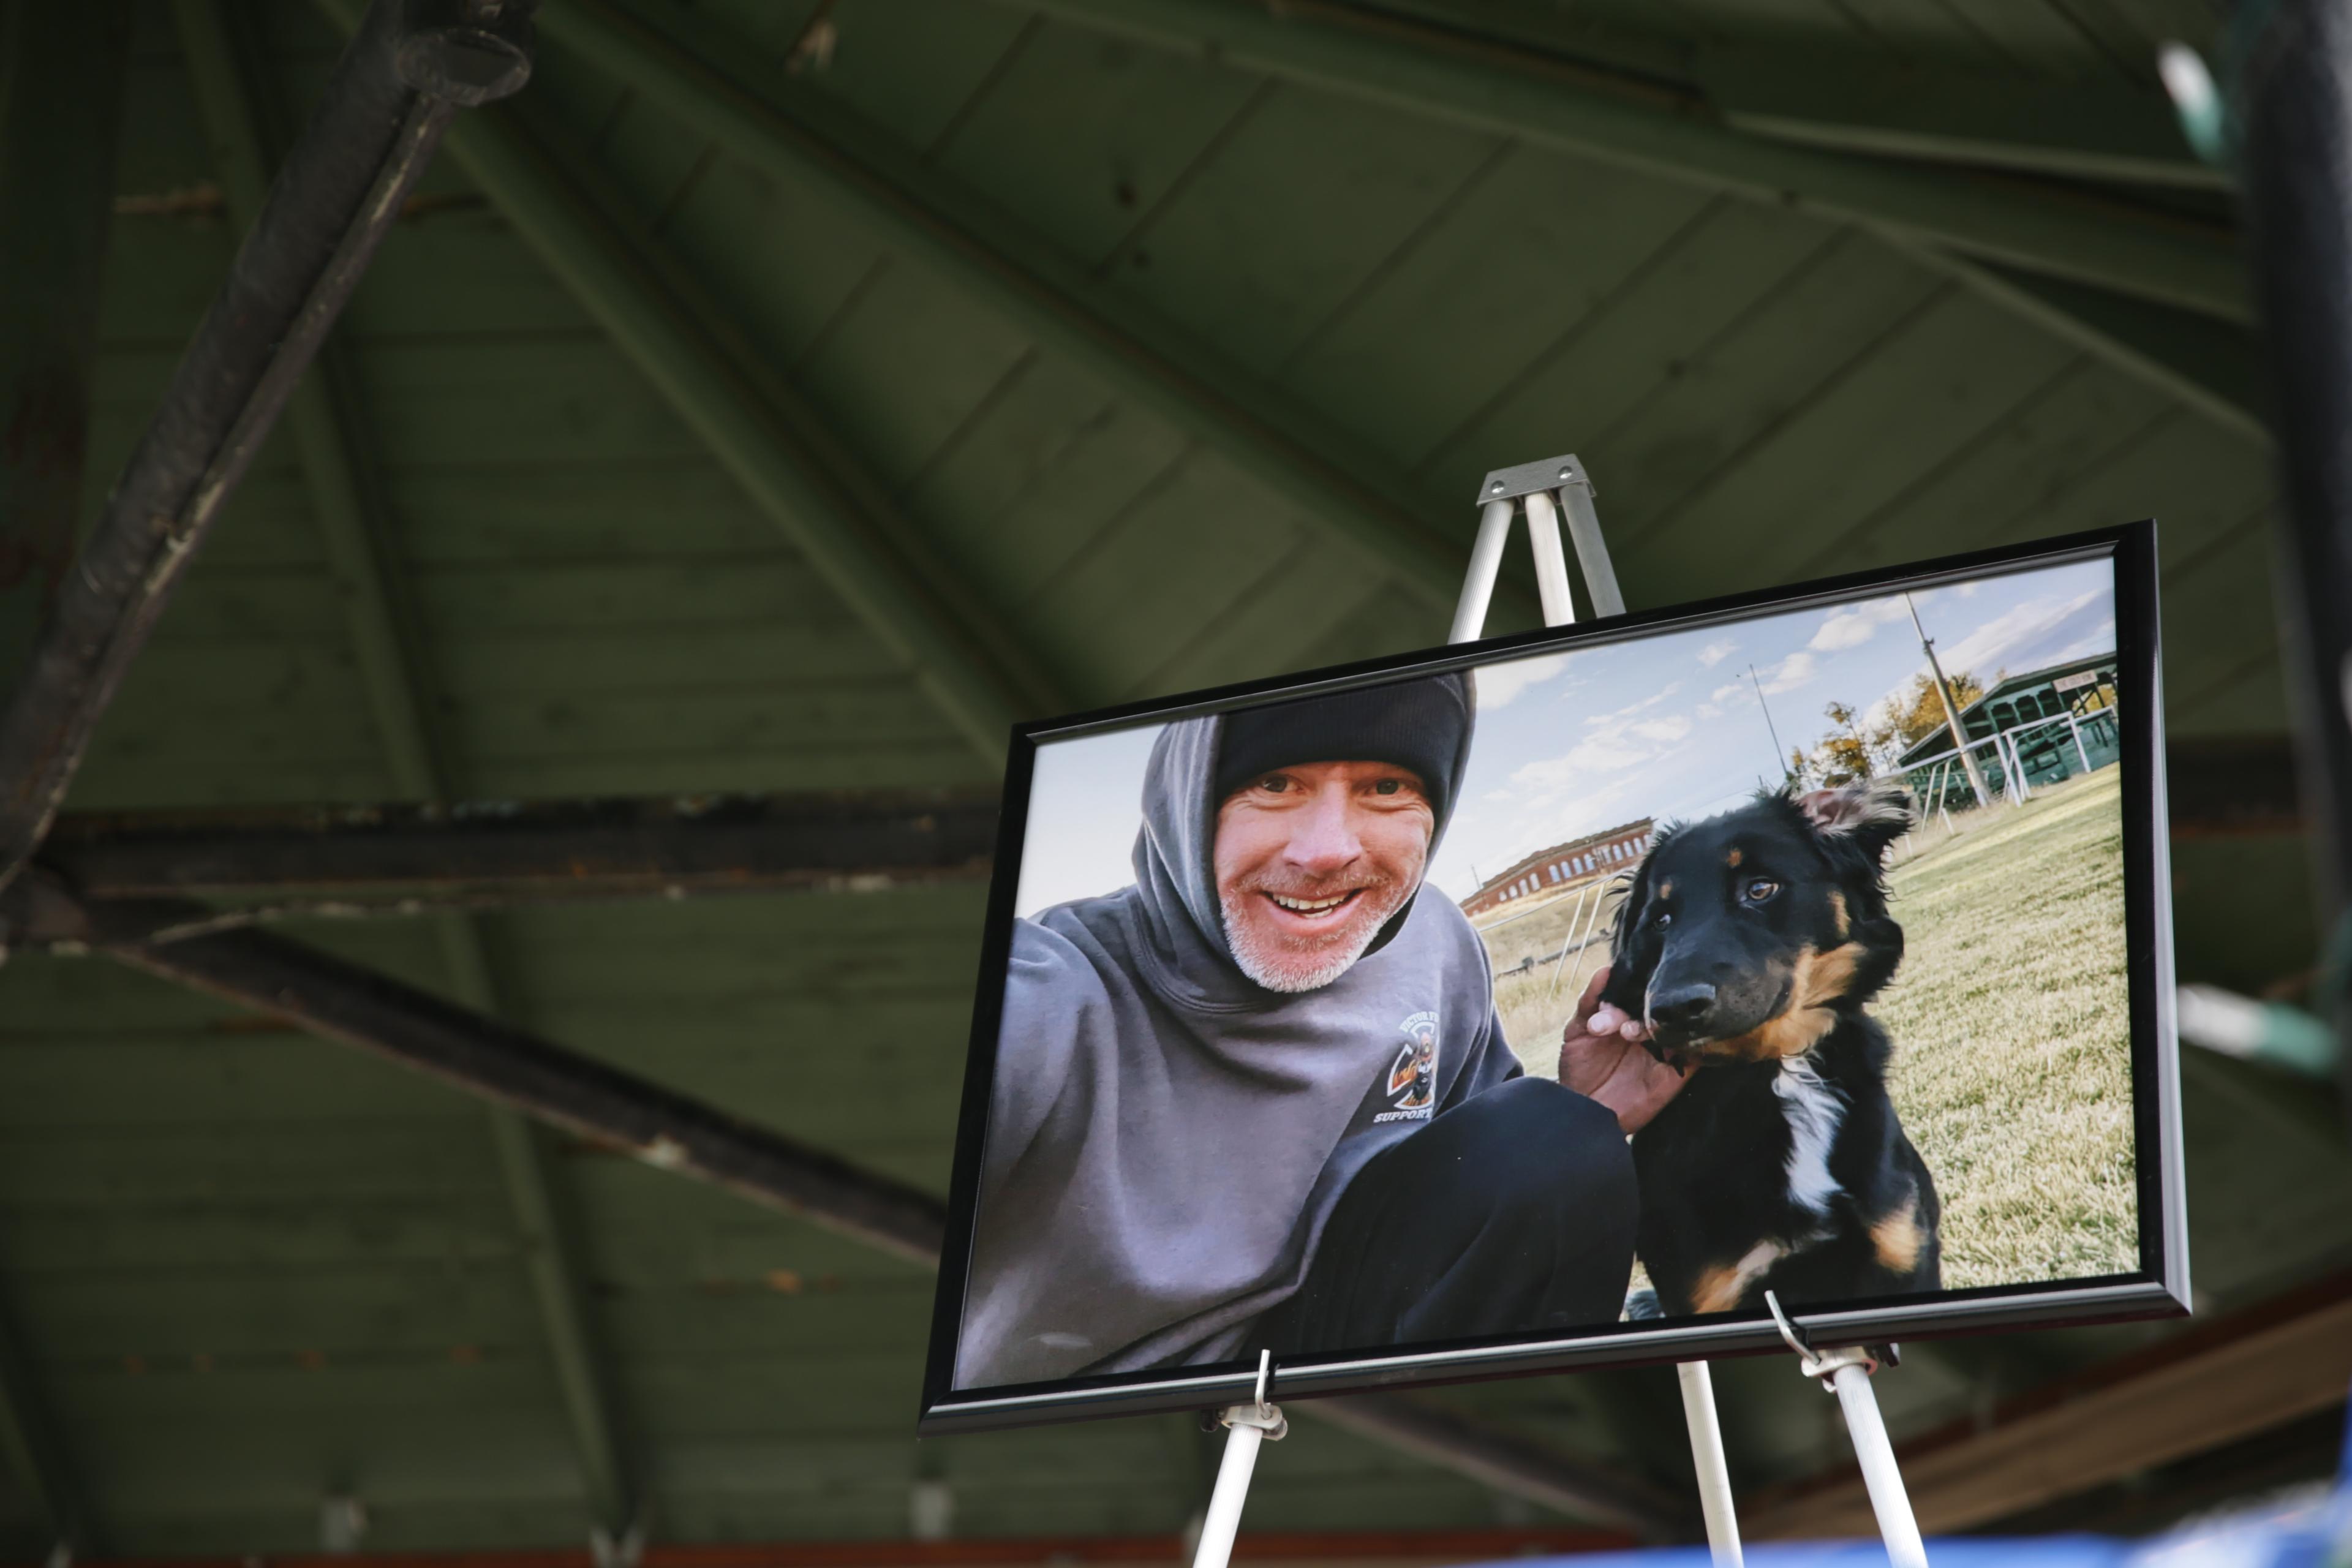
(1660, 919)
(1759, 889)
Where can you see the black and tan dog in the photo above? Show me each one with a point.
(1749, 943)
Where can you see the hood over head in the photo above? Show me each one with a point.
(1423, 723)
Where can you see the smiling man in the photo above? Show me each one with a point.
(1261, 1097)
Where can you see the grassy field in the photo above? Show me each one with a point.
(2011, 1068)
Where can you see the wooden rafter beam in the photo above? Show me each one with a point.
(769, 438)
(1675, 133)
(2213, 366)
(2215, 1384)
(396, 857)
(236, 100)
(341, 187)
(486, 1057)
(527, 851)
(1843, 100)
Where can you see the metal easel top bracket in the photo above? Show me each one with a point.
(1523, 478)
(1544, 490)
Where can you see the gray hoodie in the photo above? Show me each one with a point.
(1167, 1138)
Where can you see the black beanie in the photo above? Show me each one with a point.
(1418, 724)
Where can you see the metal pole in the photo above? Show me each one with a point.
(2082, 751)
(1576, 499)
(1880, 1474)
(1246, 1427)
(1714, 1498)
(1568, 941)
(2293, 108)
(1551, 561)
(1951, 708)
(1847, 1373)
(1478, 581)
(1769, 728)
(1574, 490)
(1576, 975)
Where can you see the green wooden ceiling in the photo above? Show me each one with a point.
(250, 1271)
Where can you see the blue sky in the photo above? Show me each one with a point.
(1664, 726)
(1670, 726)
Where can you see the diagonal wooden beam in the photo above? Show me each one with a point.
(235, 99)
(710, 79)
(2219, 1382)
(1845, 101)
(769, 438)
(1657, 127)
(2210, 365)
(482, 1056)
(344, 184)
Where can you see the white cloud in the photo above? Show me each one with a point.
(2034, 633)
(1797, 669)
(1499, 684)
(1661, 730)
(1727, 691)
(1855, 624)
(1715, 653)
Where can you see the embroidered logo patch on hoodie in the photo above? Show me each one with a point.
(1412, 1076)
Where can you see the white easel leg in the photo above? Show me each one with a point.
(1896, 1526)
(1552, 560)
(1846, 1373)
(1478, 583)
(1224, 1517)
(1707, 1457)
(1562, 483)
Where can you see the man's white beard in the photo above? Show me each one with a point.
(1283, 967)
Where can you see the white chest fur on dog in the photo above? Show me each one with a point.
(1814, 1110)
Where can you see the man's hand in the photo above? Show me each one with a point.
(1601, 1058)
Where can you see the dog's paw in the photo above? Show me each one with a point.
(1642, 1306)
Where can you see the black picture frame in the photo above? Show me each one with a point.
(2159, 1287)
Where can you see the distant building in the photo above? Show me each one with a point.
(1578, 860)
(2059, 719)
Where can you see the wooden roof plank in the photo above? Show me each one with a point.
(1309, 197)
(1281, 444)
(2018, 468)
(1543, 251)
(1149, 119)
(1942, 378)
(1391, 61)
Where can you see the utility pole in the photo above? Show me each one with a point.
(1786, 772)
(1951, 709)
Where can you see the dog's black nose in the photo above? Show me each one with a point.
(1682, 1006)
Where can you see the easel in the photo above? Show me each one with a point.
(1543, 491)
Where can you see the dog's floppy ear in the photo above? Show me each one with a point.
(1870, 816)
(1629, 977)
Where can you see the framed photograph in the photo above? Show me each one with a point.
(1541, 1003)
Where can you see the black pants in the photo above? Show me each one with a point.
(1509, 1213)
